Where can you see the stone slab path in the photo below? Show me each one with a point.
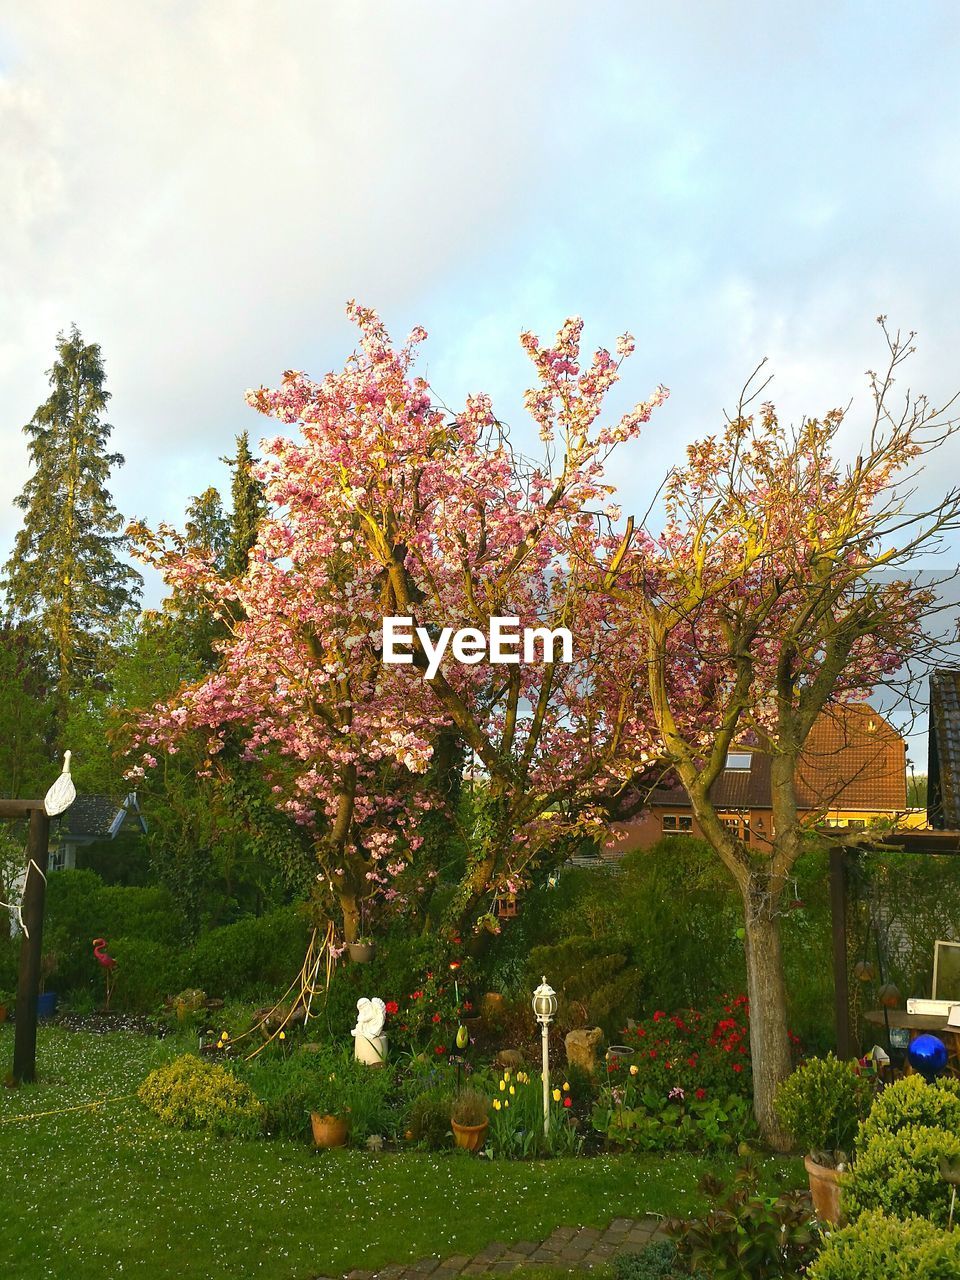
(568, 1248)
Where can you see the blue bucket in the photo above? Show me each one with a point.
(47, 1004)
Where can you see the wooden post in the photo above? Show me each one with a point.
(838, 914)
(28, 985)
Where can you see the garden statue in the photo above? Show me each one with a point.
(369, 1042)
(582, 1045)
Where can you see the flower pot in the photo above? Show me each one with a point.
(618, 1053)
(469, 1137)
(824, 1190)
(361, 952)
(328, 1131)
(47, 1004)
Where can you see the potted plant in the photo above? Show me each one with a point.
(361, 951)
(470, 1119)
(821, 1106)
(47, 1000)
(330, 1120)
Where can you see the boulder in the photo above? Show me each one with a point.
(582, 1046)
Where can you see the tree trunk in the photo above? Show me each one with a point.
(766, 989)
(350, 906)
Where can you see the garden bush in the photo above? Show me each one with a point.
(428, 1120)
(822, 1104)
(911, 1102)
(658, 1261)
(80, 907)
(146, 973)
(192, 1094)
(899, 1173)
(257, 953)
(878, 1247)
(596, 985)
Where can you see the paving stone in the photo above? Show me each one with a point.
(492, 1253)
(425, 1267)
(392, 1272)
(525, 1247)
(360, 1275)
(563, 1233)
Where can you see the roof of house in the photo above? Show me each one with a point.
(853, 759)
(943, 765)
(99, 817)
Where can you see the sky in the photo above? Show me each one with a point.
(201, 186)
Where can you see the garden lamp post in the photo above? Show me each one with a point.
(545, 1006)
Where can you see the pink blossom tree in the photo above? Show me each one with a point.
(387, 505)
(778, 586)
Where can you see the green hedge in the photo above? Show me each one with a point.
(877, 1247)
(258, 953)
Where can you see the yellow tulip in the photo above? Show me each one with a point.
(557, 1095)
(506, 1075)
(496, 1104)
(512, 1089)
(566, 1087)
(283, 1035)
(503, 1085)
(634, 1068)
(506, 1102)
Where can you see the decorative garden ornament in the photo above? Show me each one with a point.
(63, 793)
(928, 1056)
(369, 1042)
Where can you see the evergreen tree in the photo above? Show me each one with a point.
(208, 527)
(65, 580)
(246, 493)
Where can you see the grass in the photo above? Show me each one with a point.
(110, 1191)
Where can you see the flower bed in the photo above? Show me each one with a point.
(687, 1083)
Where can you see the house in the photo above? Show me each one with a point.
(90, 819)
(852, 772)
(943, 750)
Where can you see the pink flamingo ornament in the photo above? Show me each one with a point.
(108, 963)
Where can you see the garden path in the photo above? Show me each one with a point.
(567, 1248)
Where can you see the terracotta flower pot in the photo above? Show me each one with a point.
(361, 952)
(824, 1190)
(328, 1131)
(469, 1136)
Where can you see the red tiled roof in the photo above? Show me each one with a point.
(853, 759)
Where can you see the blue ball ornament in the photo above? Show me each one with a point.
(928, 1056)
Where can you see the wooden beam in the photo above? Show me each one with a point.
(28, 985)
(19, 808)
(838, 915)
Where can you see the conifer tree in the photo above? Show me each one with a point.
(65, 581)
(246, 493)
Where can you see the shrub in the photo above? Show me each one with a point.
(899, 1173)
(911, 1102)
(80, 907)
(146, 972)
(746, 1233)
(658, 1261)
(192, 1094)
(822, 1104)
(429, 1119)
(596, 982)
(258, 952)
(876, 1247)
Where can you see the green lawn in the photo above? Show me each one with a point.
(111, 1192)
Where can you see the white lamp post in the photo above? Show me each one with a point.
(545, 1006)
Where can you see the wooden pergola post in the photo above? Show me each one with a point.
(31, 910)
(838, 913)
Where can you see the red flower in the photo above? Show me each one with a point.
(658, 1015)
(392, 1007)
(436, 1017)
(738, 1066)
(441, 1048)
(568, 1102)
(700, 1094)
(468, 1005)
(454, 964)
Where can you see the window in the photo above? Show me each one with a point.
(681, 823)
(739, 760)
